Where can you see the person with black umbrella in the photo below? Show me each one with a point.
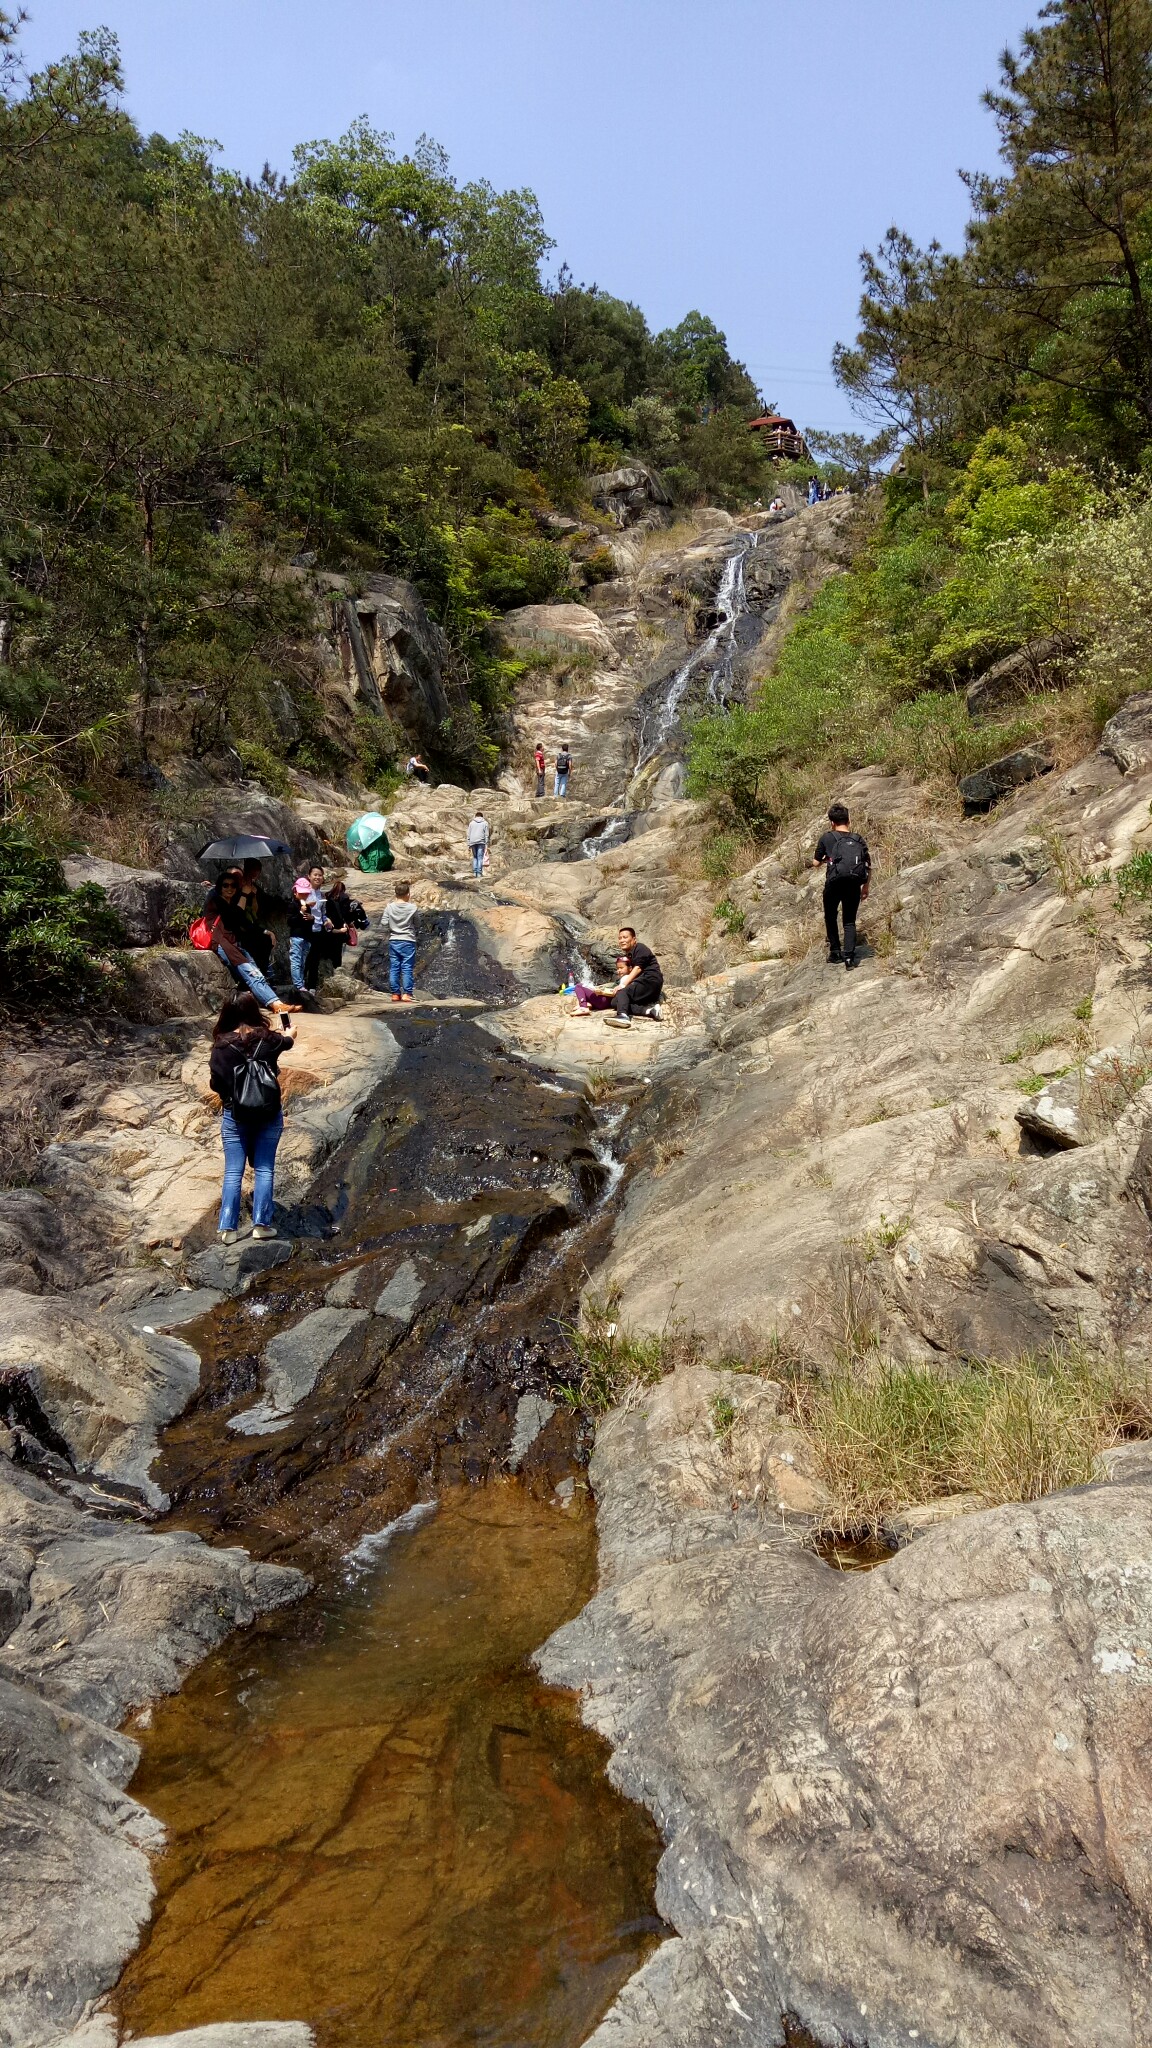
(222, 908)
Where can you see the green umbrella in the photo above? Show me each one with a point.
(365, 831)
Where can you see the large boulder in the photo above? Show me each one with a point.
(1042, 664)
(1127, 737)
(222, 811)
(87, 1393)
(569, 628)
(1079, 1106)
(981, 790)
(907, 1804)
(626, 494)
(143, 899)
(178, 981)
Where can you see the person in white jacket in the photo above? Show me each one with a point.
(478, 837)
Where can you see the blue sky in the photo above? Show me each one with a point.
(733, 155)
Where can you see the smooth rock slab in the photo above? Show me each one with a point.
(295, 1360)
(912, 1802)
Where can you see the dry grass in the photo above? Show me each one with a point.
(887, 1437)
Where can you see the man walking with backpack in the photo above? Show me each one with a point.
(845, 856)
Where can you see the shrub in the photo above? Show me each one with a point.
(264, 768)
(53, 940)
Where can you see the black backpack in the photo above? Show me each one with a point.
(255, 1086)
(849, 861)
(563, 761)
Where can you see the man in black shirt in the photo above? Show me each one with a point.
(845, 856)
(642, 984)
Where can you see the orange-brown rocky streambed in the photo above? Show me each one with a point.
(380, 1822)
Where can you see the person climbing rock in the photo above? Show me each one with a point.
(563, 770)
(479, 835)
(640, 987)
(848, 862)
(416, 768)
(540, 759)
(401, 921)
(243, 1073)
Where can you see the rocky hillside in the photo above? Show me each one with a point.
(904, 1805)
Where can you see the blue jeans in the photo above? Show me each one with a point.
(247, 1141)
(249, 972)
(297, 955)
(401, 962)
(561, 782)
(478, 860)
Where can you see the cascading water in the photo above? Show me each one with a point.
(712, 660)
(614, 833)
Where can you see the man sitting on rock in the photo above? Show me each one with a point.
(639, 991)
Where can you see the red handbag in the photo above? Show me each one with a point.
(200, 933)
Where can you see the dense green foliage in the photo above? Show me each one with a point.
(1017, 377)
(55, 943)
(204, 378)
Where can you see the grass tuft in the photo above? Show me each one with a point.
(887, 1437)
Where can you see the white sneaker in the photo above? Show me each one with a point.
(620, 1023)
(228, 1236)
(264, 1230)
(656, 1012)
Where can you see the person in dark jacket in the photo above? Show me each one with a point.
(640, 987)
(240, 1040)
(257, 936)
(344, 916)
(229, 939)
(844, 856)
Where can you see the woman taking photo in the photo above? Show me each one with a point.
(245, 1053)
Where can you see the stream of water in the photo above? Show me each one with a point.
(379, 1821)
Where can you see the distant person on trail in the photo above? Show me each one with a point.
(563, 770)
(245, 1052)
(639, 990)
(414, 766)
(541, 766)
(813, 490)
(401, 921)
(479, 834)
(845, 856)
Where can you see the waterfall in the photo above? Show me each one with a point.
(615, 831)
(714, 657)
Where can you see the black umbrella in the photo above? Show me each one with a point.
(245, 846)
